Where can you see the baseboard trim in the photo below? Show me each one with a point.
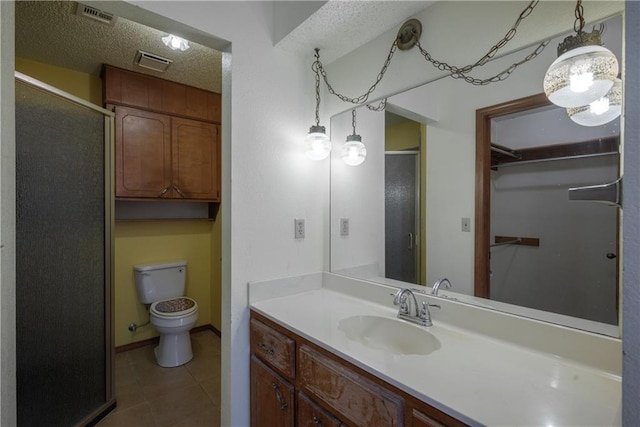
(155, 340)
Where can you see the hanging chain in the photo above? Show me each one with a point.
(460, 73)
(381, 105)
(314, 67)
(578, 25)
(455, 72)
(353, 120)
(364, 97)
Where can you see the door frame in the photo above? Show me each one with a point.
(482, 282)
(417, 244)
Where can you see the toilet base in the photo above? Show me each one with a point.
(174, 350)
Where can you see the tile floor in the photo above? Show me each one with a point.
(151, 396)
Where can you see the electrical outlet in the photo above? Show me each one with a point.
(298, 228)
(466, 224)
(344, 226)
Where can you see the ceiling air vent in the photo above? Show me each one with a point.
(152, 62)
(95, 14)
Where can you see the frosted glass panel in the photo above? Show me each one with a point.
(61, 366)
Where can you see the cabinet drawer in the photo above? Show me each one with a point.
(358, 399)
(420, 419)
(272, 398)
(310, 414)
(273, 347)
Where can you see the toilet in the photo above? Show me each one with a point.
(173, 314)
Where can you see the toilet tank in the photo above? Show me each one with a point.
(156, 282)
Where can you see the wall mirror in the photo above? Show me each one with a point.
(524, 247)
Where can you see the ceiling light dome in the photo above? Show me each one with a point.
(175, 42)
(600, 111)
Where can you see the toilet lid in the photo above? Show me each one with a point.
(174, 307)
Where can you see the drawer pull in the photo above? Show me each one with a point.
(267, 350)
(283, 404)
(163, 191)
(317, 421)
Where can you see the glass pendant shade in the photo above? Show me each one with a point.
(317, 144)
(354, 151)
(580, 76)
(600, 111)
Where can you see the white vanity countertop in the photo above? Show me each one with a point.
(475, 378)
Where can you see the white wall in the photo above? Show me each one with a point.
(354, 190)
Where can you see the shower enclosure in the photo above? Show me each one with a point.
(64, 244)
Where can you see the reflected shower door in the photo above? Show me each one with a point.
(62, 260)
(401, 216)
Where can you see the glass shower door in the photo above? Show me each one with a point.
(63, 267)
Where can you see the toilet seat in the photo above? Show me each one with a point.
(174, 307)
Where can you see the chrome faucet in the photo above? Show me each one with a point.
(421, 317)
(440, 282)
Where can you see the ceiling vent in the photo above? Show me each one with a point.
(96, 14)
(152, 62)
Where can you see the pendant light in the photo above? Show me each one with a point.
(584, 70)
(600, 111)
(353, 151)
(317, 144)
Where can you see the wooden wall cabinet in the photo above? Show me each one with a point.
(167, 138)
(328, 390)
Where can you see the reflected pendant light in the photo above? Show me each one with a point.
(584, 70)
(600, 111)
(353, 151)
(317, 144)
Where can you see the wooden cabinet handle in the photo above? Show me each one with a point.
(267, 350)
(175, 187)
(163, 191)
(283, 404)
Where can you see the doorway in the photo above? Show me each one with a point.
(534, 246)
(402, 213)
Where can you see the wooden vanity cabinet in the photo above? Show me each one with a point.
(330, 391)
(167, 138)
(272, 398)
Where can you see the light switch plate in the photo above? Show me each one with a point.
(344, 226)
(466, 224)
(298, 228)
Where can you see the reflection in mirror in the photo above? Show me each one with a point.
(444, 112)
(546, 251)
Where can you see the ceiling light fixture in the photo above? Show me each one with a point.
(317, 144)
(175, 42)
(600, 111)
(353, 151)
(584, 70)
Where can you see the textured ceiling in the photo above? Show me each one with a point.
(50, 32)
(338, 27)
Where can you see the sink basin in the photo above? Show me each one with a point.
(388, 334)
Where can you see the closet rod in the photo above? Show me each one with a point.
(525, 162)
(505, 152)
(510, 242)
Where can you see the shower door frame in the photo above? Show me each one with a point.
(109, 133)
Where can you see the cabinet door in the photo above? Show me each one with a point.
(310, 414)
(196, 159)
(272, 398)
(143, 153)
(420, 419)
